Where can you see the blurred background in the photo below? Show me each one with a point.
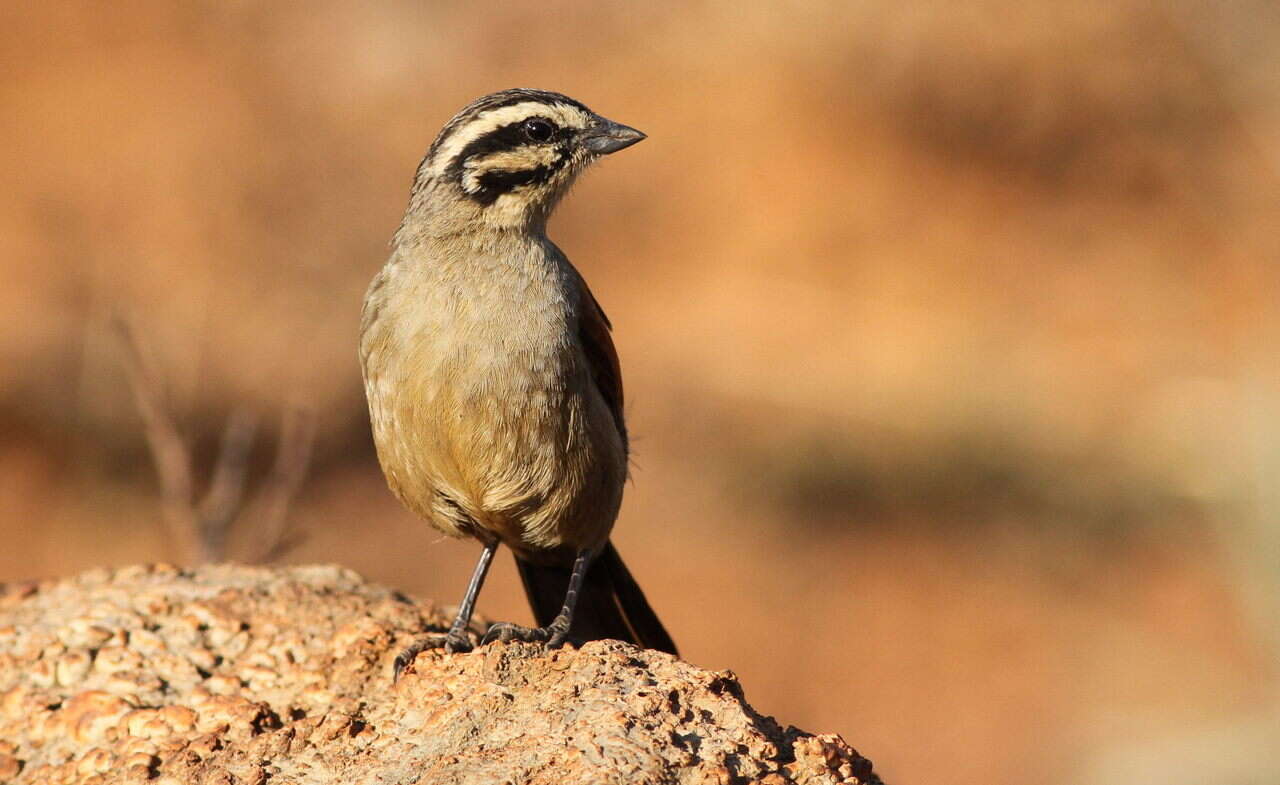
(949, 333)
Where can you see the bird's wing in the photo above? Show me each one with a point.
(597, 343)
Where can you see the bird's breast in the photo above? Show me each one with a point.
(480, 401)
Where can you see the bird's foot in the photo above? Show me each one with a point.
(455, 642)
(553, 635)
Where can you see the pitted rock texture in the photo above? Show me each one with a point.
(230, 675)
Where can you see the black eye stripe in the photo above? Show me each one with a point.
(506, 137)
(497, 182)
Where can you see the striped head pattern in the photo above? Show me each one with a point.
(513, 154)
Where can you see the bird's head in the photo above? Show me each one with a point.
(506, 159)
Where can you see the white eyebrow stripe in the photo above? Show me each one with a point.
(490, 121)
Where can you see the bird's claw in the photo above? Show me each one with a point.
(552, 635)
(506, 631)
(453, 642)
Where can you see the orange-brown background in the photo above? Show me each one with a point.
(949, 332)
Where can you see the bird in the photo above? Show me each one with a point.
(494, 388)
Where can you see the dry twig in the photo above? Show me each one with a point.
(169, 451)
(200, 529)
(293, 455)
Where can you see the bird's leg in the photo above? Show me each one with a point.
(553, 634)
(456, 640)
(457, 637)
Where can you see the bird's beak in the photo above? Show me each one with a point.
(606, 137)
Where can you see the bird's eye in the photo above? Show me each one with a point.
(538, 130)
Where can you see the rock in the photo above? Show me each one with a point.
(228, 675)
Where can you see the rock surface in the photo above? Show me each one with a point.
(230, 675)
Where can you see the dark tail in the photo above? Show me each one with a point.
(610, 605)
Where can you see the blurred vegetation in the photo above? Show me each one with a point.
(976, 478)
(903, 292)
